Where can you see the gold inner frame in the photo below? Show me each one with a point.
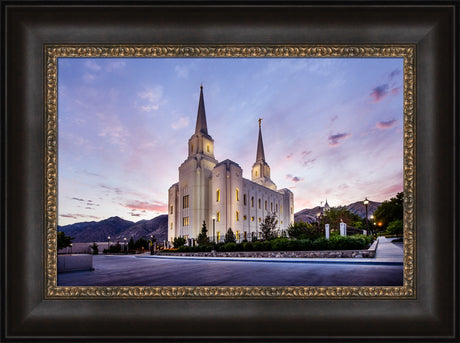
(51, 55)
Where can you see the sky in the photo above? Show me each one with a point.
(332, 128)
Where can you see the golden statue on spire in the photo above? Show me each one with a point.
(260, 122)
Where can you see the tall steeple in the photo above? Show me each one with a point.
(260, 145)
(201, 125)
(260, 169)
(201, 143)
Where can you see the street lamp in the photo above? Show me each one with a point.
(124, 244)
(213, 233)
(70, 248)
(372, 223)
(366, 203)
(108, 244)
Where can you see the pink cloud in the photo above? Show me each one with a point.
(386, 124)
(147, 206)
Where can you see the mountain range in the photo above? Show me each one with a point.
(309, 214)
(118, 228)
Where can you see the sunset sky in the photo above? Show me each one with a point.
(332, 128)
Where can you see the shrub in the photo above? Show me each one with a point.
(395, 227)
(279, 244)
(257, 245)
(293, 245)
(266, 246)
(183, 248)
(247, 246)
(305, 244)
(178, 242)
(229, 247)
(320, 244)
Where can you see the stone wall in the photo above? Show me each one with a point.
(370, 253)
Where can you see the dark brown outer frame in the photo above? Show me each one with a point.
(25, 313)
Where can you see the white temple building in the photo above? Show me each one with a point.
(209, 189)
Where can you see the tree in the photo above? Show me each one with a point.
(230, 236)
(203, 238)
(141, 243)
(131, 244)
(178, 242)
(63, 241)
(303, 230)
(95, 249)
(268, 227)
(390, 211)
(336, 215)
(395, 227)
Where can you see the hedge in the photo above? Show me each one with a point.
(355, 242)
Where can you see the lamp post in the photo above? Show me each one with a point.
(70, 248)
(372, 225)
(213, 233)
(366, 203)
(124, 244)
(108, 244)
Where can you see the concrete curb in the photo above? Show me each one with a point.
(282, 260)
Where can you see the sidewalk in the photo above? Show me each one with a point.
(387, 254)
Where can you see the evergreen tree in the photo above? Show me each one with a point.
(203, 238)
(63, 241)
(230, 236)
(131, 244)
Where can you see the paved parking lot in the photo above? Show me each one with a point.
(135, 271)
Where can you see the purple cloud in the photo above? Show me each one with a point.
(386, 124)
(76, 216)
(337, 138)
(294, 178)
(288, 157)
(78, 199)
(394, 73)
(334, 118)
(378, 93)
(310, 161)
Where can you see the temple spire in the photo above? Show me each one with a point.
(260, 144)
(201, 126)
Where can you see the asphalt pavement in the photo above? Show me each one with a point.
(386, 269)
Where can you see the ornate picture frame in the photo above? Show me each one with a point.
(407, 52)
(34, 307)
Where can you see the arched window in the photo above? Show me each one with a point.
(276, 207)
(218, 195)
(244, 217)
(252, 201)
(218, 236)
(271, 206)
(237, 194)
(259, 202)
(207, 148)
(265, 205)
(256, 172)
(218, 216)
(252, 219)
(191, 149)
(237, 215)
(244, 199)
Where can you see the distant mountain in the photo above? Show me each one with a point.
(117, 229)
(359, 208)
(309, 214)
(157, 227)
